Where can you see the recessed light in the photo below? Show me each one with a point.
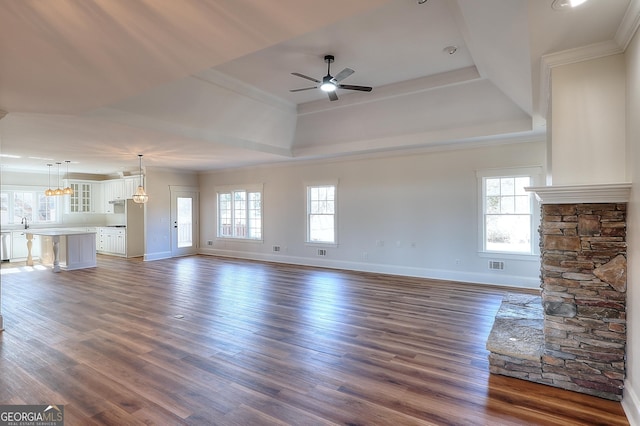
(451, 50)
(566, 4)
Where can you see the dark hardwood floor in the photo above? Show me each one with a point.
(203, 340)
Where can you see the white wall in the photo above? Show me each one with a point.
(588, 116)
(158, 209)
(631, 401)
(422, 205)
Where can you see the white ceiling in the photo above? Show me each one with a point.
(204, 84)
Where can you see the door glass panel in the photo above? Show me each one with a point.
(185, 225)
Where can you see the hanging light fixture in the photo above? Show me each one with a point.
(58, 190)
(49, 192)
(68, 190)
(140, 196)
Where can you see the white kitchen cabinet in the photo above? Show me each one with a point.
(120, 242)
(113, 190)
(112, 241)
(130, 186)
(103, 240)
(85, 198)
(106, 197)
(96, 197)
(117, 187)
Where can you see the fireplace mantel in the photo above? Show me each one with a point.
(576, 194)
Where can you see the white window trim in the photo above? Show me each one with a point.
(255, 187)
(536, 174)
(35, 189)
(308, 242)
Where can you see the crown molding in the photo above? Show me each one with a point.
(625, 33)
(570, 56)
(581, 194)
(629, 25)
(227, 82)
(579, 54)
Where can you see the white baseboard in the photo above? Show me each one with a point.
(631, 404)
(439, 274)
(157, 256)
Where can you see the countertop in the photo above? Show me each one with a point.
(56, 232)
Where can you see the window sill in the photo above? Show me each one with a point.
(529, 257)
(242, 240)
(320, 244)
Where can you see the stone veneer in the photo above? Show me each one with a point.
(583, 338)
(583, 272)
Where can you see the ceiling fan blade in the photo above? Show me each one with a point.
(306, 88)
(342, 75)
(332, 96)
(305, 76)
(360, 88)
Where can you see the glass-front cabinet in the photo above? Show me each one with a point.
(80, 200)
(85, 197)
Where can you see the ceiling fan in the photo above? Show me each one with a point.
(329, 83)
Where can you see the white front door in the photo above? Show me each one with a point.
(184, 223)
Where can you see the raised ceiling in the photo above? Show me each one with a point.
(202, 85)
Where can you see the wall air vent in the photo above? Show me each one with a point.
(276, 248)
(496, 264)
(322, 252)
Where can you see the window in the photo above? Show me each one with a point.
(32, 205)
(240, 212)
(321, 214)
(509, 218)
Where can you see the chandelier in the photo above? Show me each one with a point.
(140, 196)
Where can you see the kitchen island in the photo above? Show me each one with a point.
(80, 247)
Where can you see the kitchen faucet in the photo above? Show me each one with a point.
(24, 222)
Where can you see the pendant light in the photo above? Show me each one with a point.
(49, 192)
(140, 196)
(68, 190)
(58, 191)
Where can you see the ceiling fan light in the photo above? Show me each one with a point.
(327, 84)
(328, 87)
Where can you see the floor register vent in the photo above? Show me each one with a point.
(276, 248)
(322, 252)
(496, 264)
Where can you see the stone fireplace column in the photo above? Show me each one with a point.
(583, 274)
